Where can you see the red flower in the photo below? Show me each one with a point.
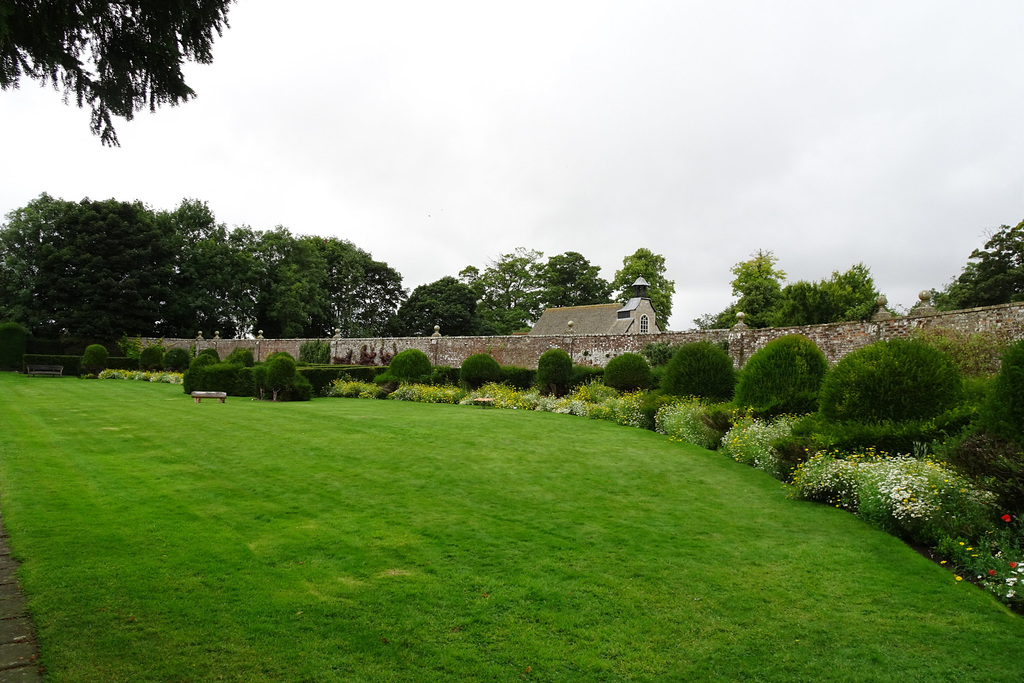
(1006, 518)
(1013, 565)
(991, 572)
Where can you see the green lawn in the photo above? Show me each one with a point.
(354, 540)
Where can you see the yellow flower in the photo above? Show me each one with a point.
(959, 578)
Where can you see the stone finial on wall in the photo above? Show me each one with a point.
(437, 331)
(216, 335)
(260, 335)
(199, 335)
(740, 325)
(337, 333)
(924, 306)
(568, 327)
(882, 313)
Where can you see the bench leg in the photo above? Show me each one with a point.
(197, 399)
(221, 399)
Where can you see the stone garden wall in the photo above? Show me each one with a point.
(835, 340)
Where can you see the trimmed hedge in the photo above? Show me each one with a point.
(151, 357)
(584, 374)
(122, 363)
(13, 338)
(95, 358)
(519, 378)
(177, 360)
(72, 364)
(320, 378)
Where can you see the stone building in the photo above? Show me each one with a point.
(637, 316)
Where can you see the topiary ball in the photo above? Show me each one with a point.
(628, 372)
(478, 370)
(152, 357)
(411, 365)
(211, 352)
(894, 380)
(554, 372)
(242, 356)
(177, 360)
(700, 369)
(784, 376)
(95, 358)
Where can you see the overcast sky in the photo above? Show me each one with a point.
(437, 135)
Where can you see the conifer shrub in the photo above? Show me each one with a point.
(411, 365)
(700, 369)
(1003, 413)
(177, 360)
(784, 376)
(441, 375)
(241, 355)
(554, 372)
(478, 370)
(628, 372)
(13, 339)
(894, 380)
(193, 377)
(94, 359)
(151, 357)
(211, 352)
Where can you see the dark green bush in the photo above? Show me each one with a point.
(218, 377)
(278, 379)
(784, 376)
(995, 464)
(122, 363)
(628, 372)
(242, 356)
(1003, 413)
(652, 403)
(904, 436)
(320, 378)
(554, 372)
(315, 352)
(361, 373)
(893, 380)
(71, 364)
(518, 378)
(177, 360)
(193, 376)
(584, 374)
(211, 352)
(411, 365)
(700, 369)
(94, 360)
(151, 357)
(13, 338)
(478, 370)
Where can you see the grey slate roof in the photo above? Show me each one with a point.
(594, 319)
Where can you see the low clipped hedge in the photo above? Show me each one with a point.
(584, 374)
(122, 363)
(519, 378)
(320, 377)
(71, 363)
(13, 338)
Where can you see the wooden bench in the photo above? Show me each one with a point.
(45, 370)
(483, 402)
(198, 396)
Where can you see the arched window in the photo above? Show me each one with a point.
(644, 328)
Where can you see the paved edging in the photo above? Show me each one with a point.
(19, 656)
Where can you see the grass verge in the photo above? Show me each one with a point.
(342, 540)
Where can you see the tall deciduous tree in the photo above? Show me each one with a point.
(448, 303)
(116, 57)
(90, 268)
(651, 267)
(993, 275)
(844, 296)
(511, 293)
(570, 280)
